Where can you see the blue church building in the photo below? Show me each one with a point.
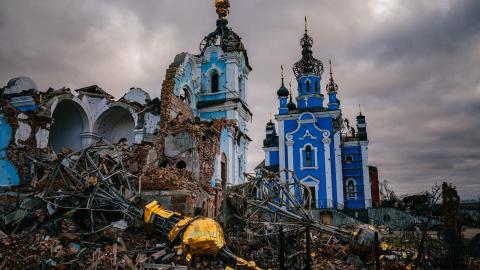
(315, 147)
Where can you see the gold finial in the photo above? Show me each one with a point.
(270, 116)
(360, 109)
(222, 7)
(305, 24)
(281, 74)
(290, 87)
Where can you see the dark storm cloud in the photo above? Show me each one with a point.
(413, 65)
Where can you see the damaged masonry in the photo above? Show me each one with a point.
(93, 182)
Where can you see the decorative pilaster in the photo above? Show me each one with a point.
(338, 170)
(281, 144)
(366, 175)
(88, 138)
(290, 161)
(138, 135)
(328, 174)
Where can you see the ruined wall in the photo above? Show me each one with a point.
(186, 153)
(25, 126)
(184, 140)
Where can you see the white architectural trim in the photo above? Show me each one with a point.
(328, 175)
(338, 170)
(325, 114)
(290, 166)
(312, 184)
(267, 157)
(351, 143)
(317, 181)
(228, 106)
(312, 121)
(229, 159)
(315, 156)
(274, 148)
(355, 188)
(290, 157)
(366, 175)
(236, 164)
(307, 134)
(281, 143)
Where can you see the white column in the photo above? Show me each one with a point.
(235, 164)
(88, 138)
(366, 175)
(290, 164)
(267, 156)
(230, 157)
(138, 136)
(338, 170)
(328, 175)
(231, 77)
(281, 144)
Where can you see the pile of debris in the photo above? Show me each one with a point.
(84, 211)
(73, 251)
(70, 220)
(266, 223)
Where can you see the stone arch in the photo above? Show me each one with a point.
(114, 124)
(69, 121)
(186, 95)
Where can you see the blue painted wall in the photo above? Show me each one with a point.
(8, 173)
(353, 170)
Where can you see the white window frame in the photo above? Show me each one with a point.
(313, 183)
(349, 196)
(314, 156)
(347, 161)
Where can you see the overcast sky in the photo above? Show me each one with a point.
(413, 65)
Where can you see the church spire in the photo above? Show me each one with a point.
(291, 106)
(306, 24)
(282, 91)
(308, 65)
(331, 86)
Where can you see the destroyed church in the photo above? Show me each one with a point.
(190, 144)
(195, 133)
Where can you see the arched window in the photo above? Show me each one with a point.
(223, 171)
(185, 96)
(214, 86)
(308, 156)
(351, 188)
(308, 86)
(317, 89)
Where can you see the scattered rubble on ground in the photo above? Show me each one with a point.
(85, 209)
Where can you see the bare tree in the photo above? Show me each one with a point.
(424, 205)
(388, 198)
